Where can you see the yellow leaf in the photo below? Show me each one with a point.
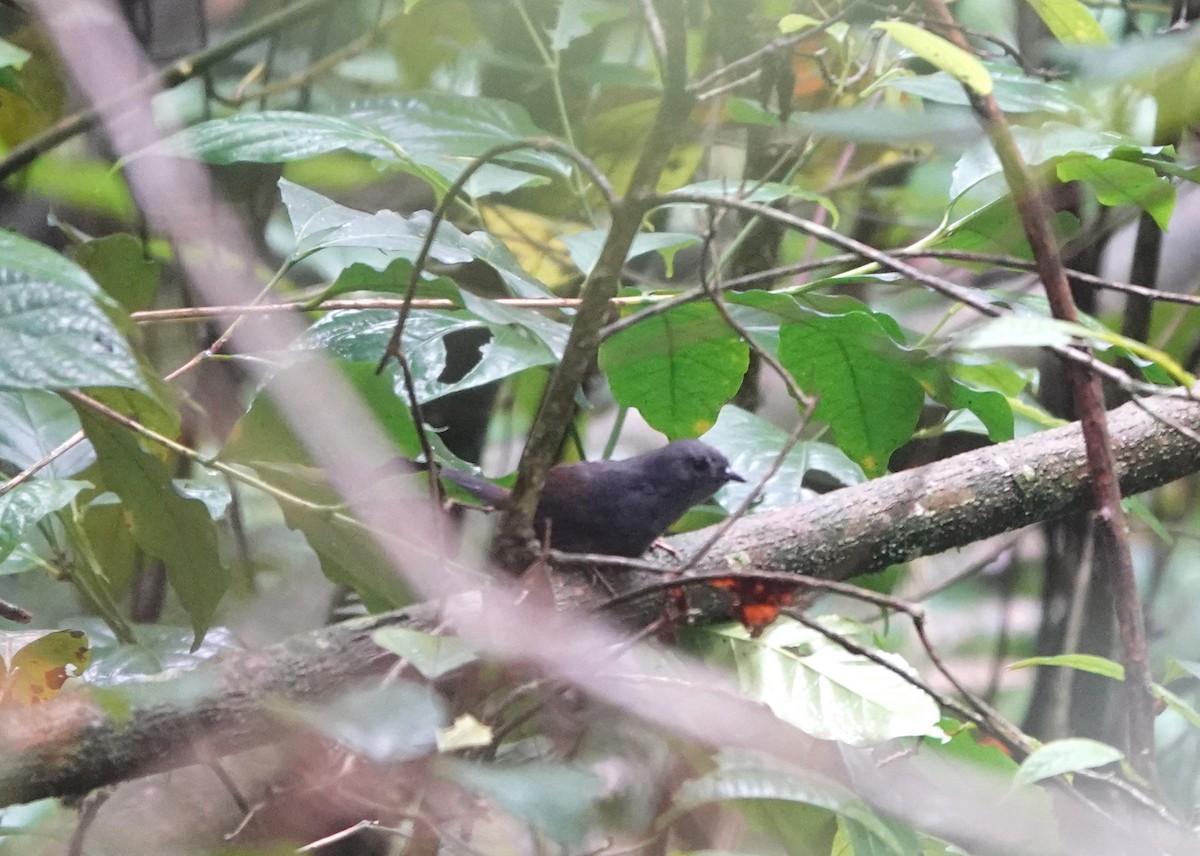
(533, 240)
(37, 670)
(934, 49)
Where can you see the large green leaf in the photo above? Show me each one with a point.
(970, 384)
(54, 330)
(819, 686)
(866, 387)
(12, 58)
(1071, 22)
(1041, 145)
(584, 247)
(432, 135)
(996, 228)
(167, 525)
(119, 264)
(1066, 756)
(677, 368)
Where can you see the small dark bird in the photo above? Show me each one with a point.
(617, 508)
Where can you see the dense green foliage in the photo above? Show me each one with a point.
(815, 136)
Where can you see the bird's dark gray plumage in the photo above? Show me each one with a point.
(616, 507)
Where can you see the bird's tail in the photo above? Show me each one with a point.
(479, 487)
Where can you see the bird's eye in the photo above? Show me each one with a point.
(700, 465)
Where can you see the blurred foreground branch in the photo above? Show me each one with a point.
(852, 531)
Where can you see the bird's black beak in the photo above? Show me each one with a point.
(730, 475)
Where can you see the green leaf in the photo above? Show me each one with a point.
(939, 52)
(1015, 92)
(1066, 756)
(890, 126)
(431, 655)
(556, 798)
(444, 131)
(996, 228)
(1035, 331)
(584, 247)
(12, 56)
(392, 279)
(119, 264)
(763, 193)
(819, 686)
(578, 18)
(1070, 21)
(166, 525)
(1042, 144)
(11, 60)
(431, 135)
(54, 330)
(752, 444)
(32, 423)
(388, 724)
(77, 182)
(867, 391)
(863, 841)
(677, 368)
(963, 746)
(263, 440)
(277, 136)
(744, 777)
(320, 223)
(28, 503)
(1117, 182)
(1083, 662)
(794, 23)
(1177, 704)
(943, 382)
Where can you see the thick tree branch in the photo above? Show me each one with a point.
(848, 532)
(170, 735)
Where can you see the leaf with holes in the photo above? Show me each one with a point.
(516, 340)
(36, 670)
